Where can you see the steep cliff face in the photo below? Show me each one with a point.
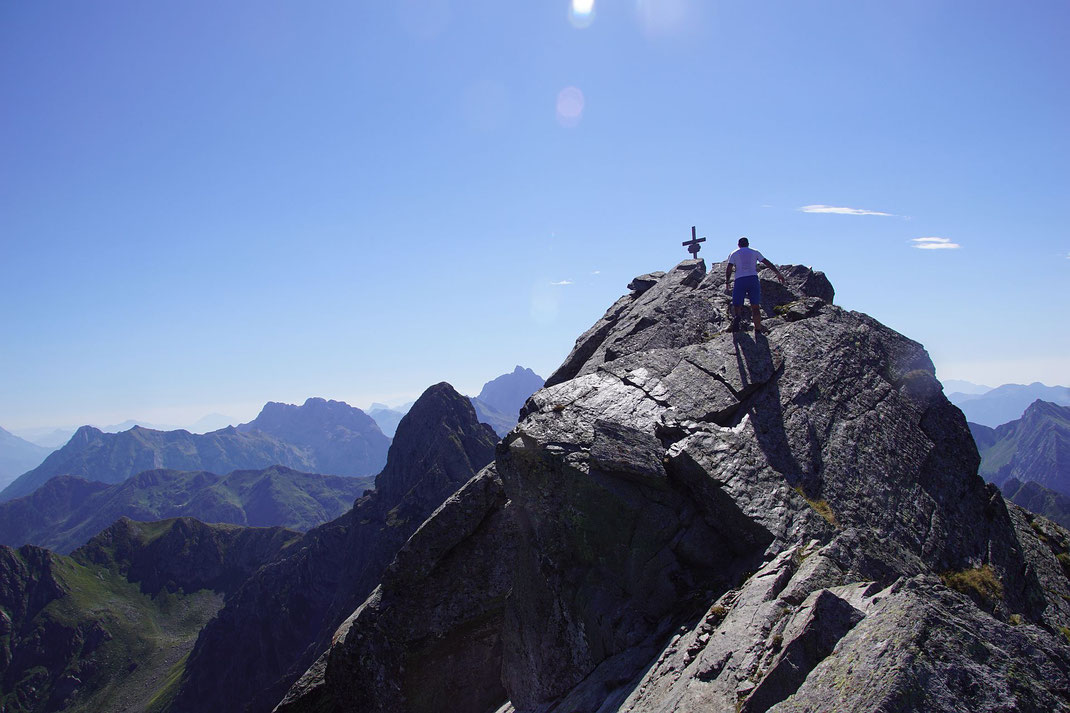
(284, 616)
(700, 520)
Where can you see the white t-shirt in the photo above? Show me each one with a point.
(746, 261)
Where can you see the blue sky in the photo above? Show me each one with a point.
(205, 206)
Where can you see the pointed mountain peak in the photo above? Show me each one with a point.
(439, 440)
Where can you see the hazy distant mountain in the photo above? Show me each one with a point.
(53, 437)
(507, 393)
(66, 511)
(498, 404)
(956, 386)
(47, 436)
(338, 438)
(1034, 448)
(211, 422)
(114, 457)
(18, 456)
(1007, 402)
(388, 418)
(500, 422)
(131, 422)
(1036, 498)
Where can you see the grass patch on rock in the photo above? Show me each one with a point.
(979, 583)
(821, 507)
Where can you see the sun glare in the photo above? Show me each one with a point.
(581, 13)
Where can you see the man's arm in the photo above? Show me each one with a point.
(773, 268)
(728, 276)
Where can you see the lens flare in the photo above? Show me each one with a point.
(662, 17)
(581, 13)
(569, 107)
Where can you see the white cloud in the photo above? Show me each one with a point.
(838, 210)
(933, 243)
(599, 272)
(562, 282)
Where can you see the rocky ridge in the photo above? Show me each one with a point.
(690, 520)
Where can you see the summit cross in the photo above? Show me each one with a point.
(692, 245)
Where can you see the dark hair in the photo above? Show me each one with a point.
(743, 242)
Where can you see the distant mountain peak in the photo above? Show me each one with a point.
(508, 392)
(342, 439)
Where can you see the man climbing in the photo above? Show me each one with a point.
(745, 262)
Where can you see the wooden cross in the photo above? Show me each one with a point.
(692, 245)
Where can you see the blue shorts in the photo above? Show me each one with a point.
(746, 287)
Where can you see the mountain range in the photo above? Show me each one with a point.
(287, 612)
(1033, 448)
(114, 457)
(67, 511)
(52, 437)
(1006, 403)
(320, 436)
(111, 627)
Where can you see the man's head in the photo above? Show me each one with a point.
(743, 242)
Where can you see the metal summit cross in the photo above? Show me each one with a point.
(692, 245)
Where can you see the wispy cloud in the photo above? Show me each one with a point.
(840, 210)
(599, 272)
(933, 243)
(562, 282)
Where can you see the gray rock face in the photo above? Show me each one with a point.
(431, 632)
(711, 521)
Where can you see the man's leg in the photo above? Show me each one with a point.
(756, 315)
(737, 307)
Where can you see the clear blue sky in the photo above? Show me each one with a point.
(205, 206)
